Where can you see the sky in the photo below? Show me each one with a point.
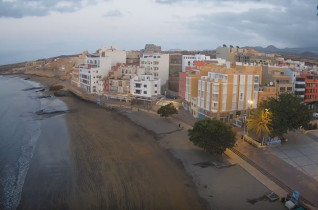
(34, 29)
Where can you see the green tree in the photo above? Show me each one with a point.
(213, 136)
(167, 110)
(288, 113)
(259, 123)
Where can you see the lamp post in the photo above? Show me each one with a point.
(250, 105)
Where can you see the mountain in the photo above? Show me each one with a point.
(306, 52)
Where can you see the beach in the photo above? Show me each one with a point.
(94, 158)
(108, 163)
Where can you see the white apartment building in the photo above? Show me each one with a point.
(95, 68)
(116, 55)
(221, 94)
(156, 64)
(188, 60)
(145, 86)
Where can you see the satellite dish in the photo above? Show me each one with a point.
(271, 83)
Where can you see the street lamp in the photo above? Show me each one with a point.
(250, 103)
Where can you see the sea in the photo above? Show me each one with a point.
(24, 108)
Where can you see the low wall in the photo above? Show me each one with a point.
(253, 142)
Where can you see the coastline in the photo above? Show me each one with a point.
(115, 164)
(211, 187)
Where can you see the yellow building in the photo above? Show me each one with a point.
(266, 93)
(225, 91)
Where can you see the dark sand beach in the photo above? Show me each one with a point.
(107, 162)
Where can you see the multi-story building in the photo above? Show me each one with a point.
(188, 81)
(224, 91)
(265, 93)
(75, 79)
(279, 77)
(188, 60)
(228, 53)
(95, 68)
(116, 55)
(133, 57)
(156, 64)
(118, 81)
(145, 86)
(311, 88)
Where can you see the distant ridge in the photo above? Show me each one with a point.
(305, 52)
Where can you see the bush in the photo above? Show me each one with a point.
(56, 87)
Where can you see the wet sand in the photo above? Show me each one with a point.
(108, 163)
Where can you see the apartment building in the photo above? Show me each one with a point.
(156, 64)
(311, 88)
(95, 68)
(116, 55)
(145, 86)
(132, 57)
(224, 91)
(118, 81)
(279, 78)
(266, 93)
(188, 60)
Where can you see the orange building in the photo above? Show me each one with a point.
(311, 88)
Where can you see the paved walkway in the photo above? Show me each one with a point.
(284, 172)
(278, 168)
(301, 151)
(290, 176)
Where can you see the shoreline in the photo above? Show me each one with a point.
(184, 192)
(185, 156)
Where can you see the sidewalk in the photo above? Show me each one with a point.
(285, 173)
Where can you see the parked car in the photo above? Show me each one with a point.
(315, 114)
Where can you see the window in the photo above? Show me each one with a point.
(156, 85)
(145, 92)
(155, 91)
(256, 79)
(145, 86)
(241, 96)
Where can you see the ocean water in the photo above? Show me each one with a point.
(22, 112)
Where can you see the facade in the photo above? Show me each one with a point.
(194, 107)
(145, 86)
(156, 64)
(228, 53)
(116, 55)
(118, 80)
(266, 92)
(311, 89)
(226, 91)
(75, 77)
(132, 57)
(95, 68)
(188, 60)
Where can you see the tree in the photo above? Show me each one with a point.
(167, 110)
(259, 123)
(213, 136)
(288, 113)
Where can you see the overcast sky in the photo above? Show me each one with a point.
(32, 29)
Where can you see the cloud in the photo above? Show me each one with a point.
(113, 13)
(290, 23)
(201, 1)
(22, 8)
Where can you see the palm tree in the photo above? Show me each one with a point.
(259, 123)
